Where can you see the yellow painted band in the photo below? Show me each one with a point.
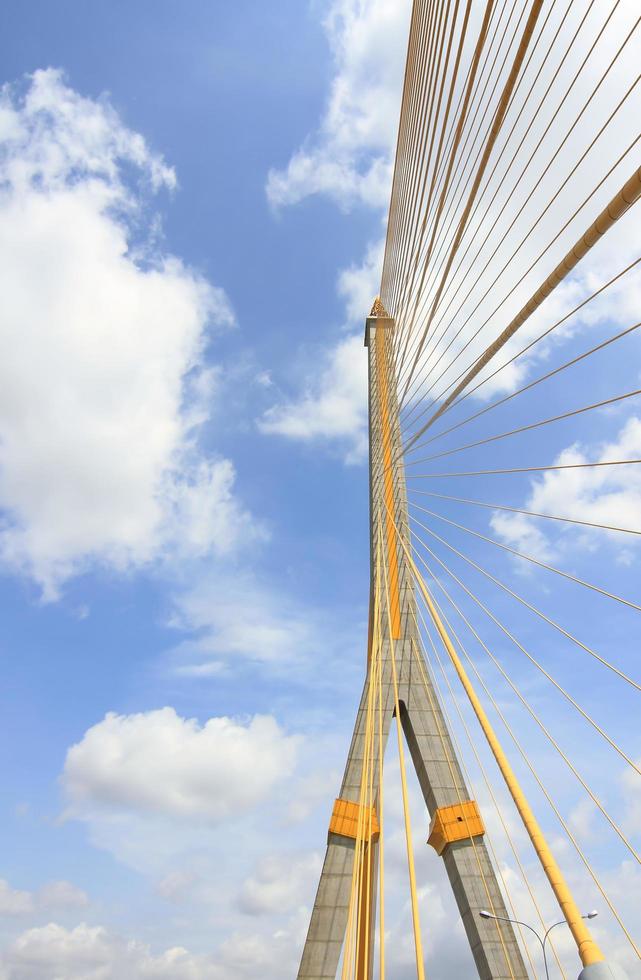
(388, 481)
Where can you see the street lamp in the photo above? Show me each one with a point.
(503, 918)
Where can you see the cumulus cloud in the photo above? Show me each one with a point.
(94, 953)
(53, 896)
(13, 901)
(349, 158)
(280, 883)
(158, 762)
(359, 283)
(176, 886)
(214, 611)
(102, 381)
(333, 406)
(608, 495)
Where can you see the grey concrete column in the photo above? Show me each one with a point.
(470, 871)
(326, 933)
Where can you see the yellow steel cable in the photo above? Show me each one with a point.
(417, 208)
(356, 885)
(522, 428)
(366, 804)
(365, 969)
(526, 469)
(385, 415)
(409, 66)
(349, 934)
(563, 823)
(451, 190)
(495, 802)
(432, 185)
(532, 50)
(536, 663)
(535, 10)
(381, 818)
(414, 162)
(566, 136)
(439, 248)
(619, 204)
(464, 109)
(428, 100)
(440, 163)
(558, 815)
(456, 784)
(541, 254)
(530, 558)
(588, 949)
(518, 117)
(448, 199)
(532, 384)
(363, 954)
(524, 350)
(541, 213)
(534, 609)
(363, 961)
(533, 714)
(418, 943)
(528, 513)
(408, 127)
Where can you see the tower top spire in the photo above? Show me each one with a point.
(378, 309)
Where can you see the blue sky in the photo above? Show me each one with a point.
(192, 203)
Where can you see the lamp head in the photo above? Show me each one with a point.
(485, 914)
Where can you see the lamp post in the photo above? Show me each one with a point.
(502, 918)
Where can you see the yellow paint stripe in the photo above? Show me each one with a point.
(388, 478)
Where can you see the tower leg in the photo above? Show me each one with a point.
(467, 862)
(326, 933)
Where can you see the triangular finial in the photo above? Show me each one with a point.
(378, 309)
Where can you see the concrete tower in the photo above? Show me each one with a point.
(456, 829)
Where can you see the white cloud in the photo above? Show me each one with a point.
(333, 406)
(61, 895)
(280, 884)
(603, 495)
(236, 616)
(54, 895)
(102, 380)
(312, 791)
(157, 762)
(349, 158)
(176, 886)
(93, 953)
(13, 901)
(360, 282)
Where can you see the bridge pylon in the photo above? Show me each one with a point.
(456, 829)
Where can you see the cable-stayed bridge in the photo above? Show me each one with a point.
(505, 499)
